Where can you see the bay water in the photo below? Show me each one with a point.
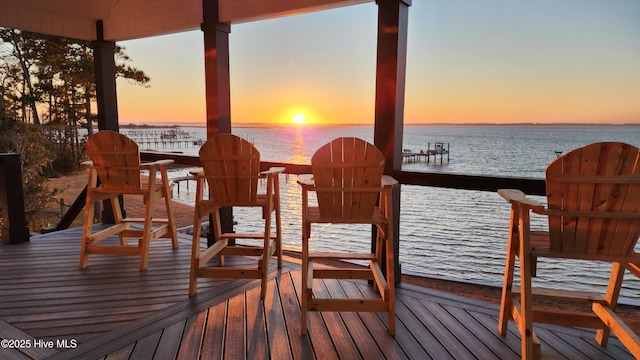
(445, 233)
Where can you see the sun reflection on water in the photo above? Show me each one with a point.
(299, 153)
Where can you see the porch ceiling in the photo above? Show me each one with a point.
(132, 19)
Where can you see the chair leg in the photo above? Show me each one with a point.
(530, 348)
(216, 227)
(167, 193)
(86, 230)
(305, 274)
(613, 290)
(266, 254)
(391, 316)
(143, 243)
(278, 235)
(512, 249)
(195, 253)
(117, 217)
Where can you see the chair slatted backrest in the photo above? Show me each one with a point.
(231, 166)
(597, 190)
(347, 173)
(117, 160)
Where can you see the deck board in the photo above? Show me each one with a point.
(115, 311)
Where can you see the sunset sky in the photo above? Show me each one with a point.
(487, 61)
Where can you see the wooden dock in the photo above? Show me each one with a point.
(438, 153)
(163, 138)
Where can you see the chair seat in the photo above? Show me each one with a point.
(260, 201)
(143, 189)
(313, 216)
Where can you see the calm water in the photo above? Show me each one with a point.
(443, 232)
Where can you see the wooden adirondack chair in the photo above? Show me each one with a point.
(593, 210)
(231, 168)
(350, 189)
(115, 170)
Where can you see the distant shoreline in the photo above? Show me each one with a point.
(268, 125)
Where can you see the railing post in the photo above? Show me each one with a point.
(14, 221)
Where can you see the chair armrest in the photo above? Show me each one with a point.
(306, 180)
(197, 172)
(273, 170)
(634, 268)
(388, 181)
(86, 164)
(156, 163)
(517, 197)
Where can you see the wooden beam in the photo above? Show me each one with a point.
(105, 72)
(106, 98)
(393, 18)
(217, 87)
(238, 11)
(216, 67)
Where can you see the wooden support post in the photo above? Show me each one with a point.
(218, 86)
(13, 227)
(393, 17)
(105, 72)
(106, 98)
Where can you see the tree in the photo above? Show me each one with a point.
(35, 154)
(55, 76)
(47, 88)
(23, 47)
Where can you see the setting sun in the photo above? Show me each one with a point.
(299, 119)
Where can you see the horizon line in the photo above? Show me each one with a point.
(266, 124)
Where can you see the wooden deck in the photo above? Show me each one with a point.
(113, 311)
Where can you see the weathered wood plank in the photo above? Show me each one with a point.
(460, 331)
(438, 329)
(258, 346)
(192, 337)
(212, 343)
(170, 341)
(303, 348)
(122, 354)
(418, 342)
(235, 346)
(334, 326)
(359, 333)
(126, 333)
(377, 328)
(131, 314)
(279, 346)
(554, 343)
(487, 338)
(146, 347)
(20, 343)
